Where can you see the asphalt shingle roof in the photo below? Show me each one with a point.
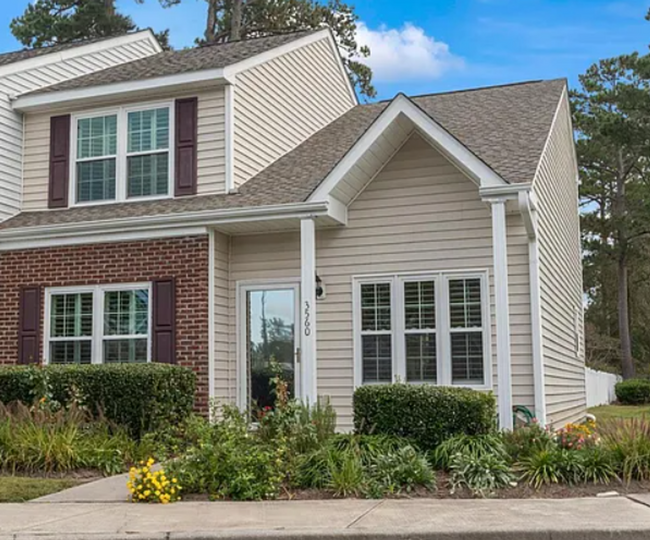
(505, 126)
(175, 62)
(26, 54)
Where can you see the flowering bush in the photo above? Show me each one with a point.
(151, 486)
(577, 436)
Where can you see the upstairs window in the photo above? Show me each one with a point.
(423, 329)
(123, 154)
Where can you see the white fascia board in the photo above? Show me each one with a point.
(547, 142)
(443, 140)
(271, 54)
(53, 99)
(80, 50)
(508, 191)
(157, 226)
(227, 74)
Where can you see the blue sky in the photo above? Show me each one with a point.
(422, 46)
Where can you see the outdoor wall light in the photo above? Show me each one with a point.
(320, 289)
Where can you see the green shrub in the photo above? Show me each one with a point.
(527, 440)
(633, 391)
(628, 441)
(229, 462)
(140, 397)
(542, 468)
(469, 445)
(597, 465)
(367, 465)
(40, 440)
(426, 414)
(481, 473)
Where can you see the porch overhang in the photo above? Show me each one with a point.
(245, 220)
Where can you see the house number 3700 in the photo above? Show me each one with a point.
(307, 319)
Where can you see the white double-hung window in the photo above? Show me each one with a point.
(98, 324)
(430, 328)
(122, 154)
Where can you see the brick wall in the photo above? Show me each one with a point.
(185, 259)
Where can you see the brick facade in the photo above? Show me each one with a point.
(185, 259)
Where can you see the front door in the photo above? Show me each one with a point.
(270, 341)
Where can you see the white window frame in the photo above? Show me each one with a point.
(121, 179)
(243, 287)
(442, 330)
(98, 336)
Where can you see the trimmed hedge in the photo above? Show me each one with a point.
(140, 397)
(633, 391)
(426, 414)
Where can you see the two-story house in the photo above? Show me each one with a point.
(230, 206)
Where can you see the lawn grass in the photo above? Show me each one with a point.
(608, 412)
(21, 488)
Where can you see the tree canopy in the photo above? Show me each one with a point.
(50, 22)
(611, 112)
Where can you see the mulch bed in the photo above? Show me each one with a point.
(442, 491)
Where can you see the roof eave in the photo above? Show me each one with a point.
(51, 100)
(163, 224)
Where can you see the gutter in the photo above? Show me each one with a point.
(155, 226)
(527, 208)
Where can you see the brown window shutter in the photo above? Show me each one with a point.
(186, 142)
(164, 321)
(30, 325)
(59, 161)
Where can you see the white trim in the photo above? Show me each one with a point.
(44, 100)
(307, 314)
(241, 288)
(342, 69)
(510, 191)
(211, 317)
(217, 76)
(549, 135)
(446, 143)
(501, 302)
(80, 50)
(122, 154)
(253, 61)
(229, 98)
(443, 333)
(97, 338)
(113, 235)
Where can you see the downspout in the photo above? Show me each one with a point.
(526, 200)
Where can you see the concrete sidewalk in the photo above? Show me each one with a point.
(425, 519)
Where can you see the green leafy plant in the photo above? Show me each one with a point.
(346, 476)
(597, 465)
(140, 397)
(633, 391)
(41, 440)
(541, 468)
(403, 469)
(468, 445)
(628, 441)
(481, 473)
(230, 462)
(527, 440)
(426, 414)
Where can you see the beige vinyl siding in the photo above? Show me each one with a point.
(282, 102)
(11, 122)
(560, 274)
(420, 214)
(210, 151)
(225, 375)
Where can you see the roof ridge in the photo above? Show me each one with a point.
(476, 89)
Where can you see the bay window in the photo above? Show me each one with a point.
(422, 329)
(98, 324)
(123, 154)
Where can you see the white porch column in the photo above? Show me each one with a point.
(308, 309)
(502, 312)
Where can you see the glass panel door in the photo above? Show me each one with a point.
(270, 338)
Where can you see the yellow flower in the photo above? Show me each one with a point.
(174, 480)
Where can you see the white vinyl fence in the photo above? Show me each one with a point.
(600, 387)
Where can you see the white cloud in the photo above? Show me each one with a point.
(405, 54)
